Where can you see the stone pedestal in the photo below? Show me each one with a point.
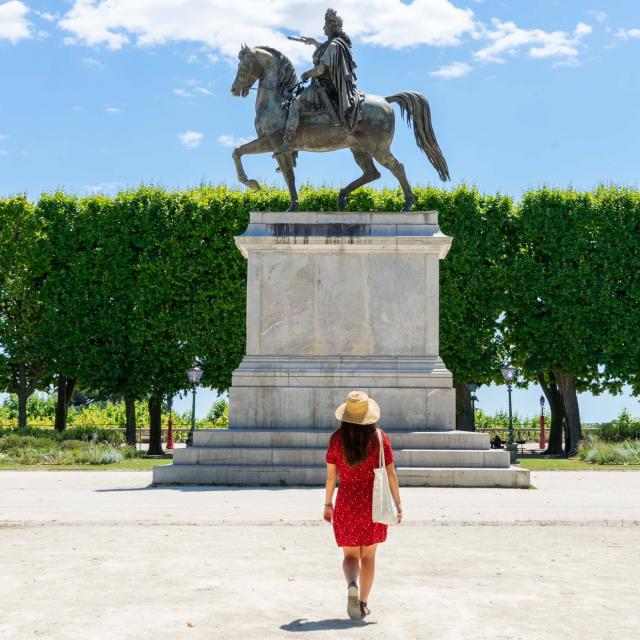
(337, 302)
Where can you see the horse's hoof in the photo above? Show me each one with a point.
(294, 206)
(253, 185)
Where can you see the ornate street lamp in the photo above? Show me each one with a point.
(509, 374)
(473, 387)
(194, 374)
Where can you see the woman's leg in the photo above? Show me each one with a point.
(367, 570)
(351, 563)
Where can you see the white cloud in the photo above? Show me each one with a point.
(599, 16)
(193, 88)
(193, 59)
(4, 152)
(229, 140)
(212, 58)
(3, 136)
(508, 39)
(14, 25)
(109, 108)
(625, 34)
(92, 62)
(453, 70)
(224, 26)
(49, 17)
(190, 139)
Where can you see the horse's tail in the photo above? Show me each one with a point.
(415, 109)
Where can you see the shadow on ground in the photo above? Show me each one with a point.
(302, 624)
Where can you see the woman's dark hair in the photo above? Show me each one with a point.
(355, 441)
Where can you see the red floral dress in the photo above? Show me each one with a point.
(352, 523)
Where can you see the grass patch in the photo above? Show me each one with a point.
(570, 464)
(139, 464)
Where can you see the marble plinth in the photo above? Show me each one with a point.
(337, 302)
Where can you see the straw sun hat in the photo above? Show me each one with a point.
(359, 409)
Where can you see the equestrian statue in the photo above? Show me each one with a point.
(329, 113)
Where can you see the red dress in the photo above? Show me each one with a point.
(352, 523)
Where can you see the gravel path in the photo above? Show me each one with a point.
(104, 555)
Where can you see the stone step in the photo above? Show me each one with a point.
(291, 438)
(308, 456)
(282, 475)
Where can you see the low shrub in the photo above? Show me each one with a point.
(598, 451)
(34, 450)
(624, 427)
(85, 434)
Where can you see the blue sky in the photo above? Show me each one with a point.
(98, 96)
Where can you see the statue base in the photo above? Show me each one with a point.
(337, 302)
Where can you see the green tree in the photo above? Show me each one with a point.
(553, 317)
(22, 270)
(473, 281)
(618, 264)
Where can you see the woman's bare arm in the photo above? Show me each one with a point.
(330, 485)
(395, 487)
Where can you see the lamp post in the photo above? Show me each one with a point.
(543, 438)
(194, 374)
(509, 374)
(473, 387)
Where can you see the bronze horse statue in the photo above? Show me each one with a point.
(370, 138)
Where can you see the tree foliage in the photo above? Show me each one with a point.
(119, 294)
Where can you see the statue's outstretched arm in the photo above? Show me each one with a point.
(306, 40)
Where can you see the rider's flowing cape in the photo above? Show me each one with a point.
(337, 57)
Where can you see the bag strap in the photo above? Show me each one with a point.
(381, 456)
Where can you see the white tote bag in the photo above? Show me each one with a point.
(384, 506)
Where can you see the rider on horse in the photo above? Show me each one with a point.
(333, 85)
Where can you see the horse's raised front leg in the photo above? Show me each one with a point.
(259, 145)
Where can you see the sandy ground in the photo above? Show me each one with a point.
(104, 555)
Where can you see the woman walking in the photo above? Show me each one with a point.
(352, 456)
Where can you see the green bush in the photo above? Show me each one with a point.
(33, 450)
(85, 434)
(623, 428)
(600, 452)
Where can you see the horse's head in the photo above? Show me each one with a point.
(249, 71)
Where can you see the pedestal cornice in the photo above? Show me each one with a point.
(344, 233)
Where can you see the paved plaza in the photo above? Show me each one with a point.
(106, 555)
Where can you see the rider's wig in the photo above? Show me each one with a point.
(334, 22)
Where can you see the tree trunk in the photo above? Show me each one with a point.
(155, 426)
(567, 387)
(24, 391)
(65, 393)
(556, 409)
(130, 417)
(464, 409)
